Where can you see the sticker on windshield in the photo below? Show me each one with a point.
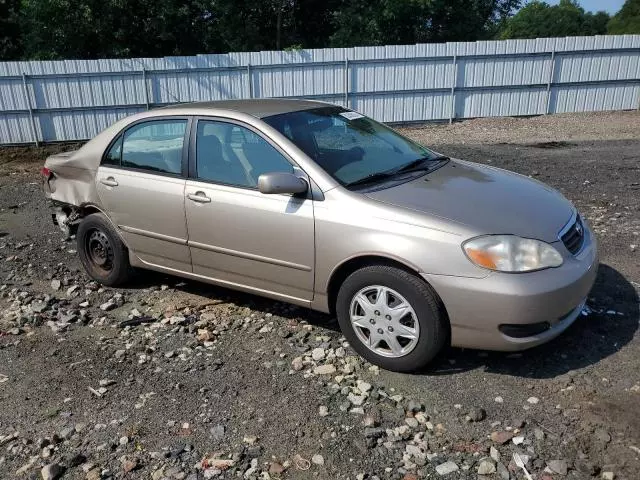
(351, 115)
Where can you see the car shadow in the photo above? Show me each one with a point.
(609, 326)
(148, 279)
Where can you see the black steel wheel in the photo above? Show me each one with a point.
(98, 250)
(102, 252)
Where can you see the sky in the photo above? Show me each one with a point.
(611, 6)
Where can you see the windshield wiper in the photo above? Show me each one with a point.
(370, 178)
(424, 163)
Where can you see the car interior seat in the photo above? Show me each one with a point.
(211, 164)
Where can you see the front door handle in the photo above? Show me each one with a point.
(199, 197)
(109, 182)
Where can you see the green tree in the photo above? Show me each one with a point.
(540, 20)
(383, 22)
(10, 39)
(379, 22)
(55, 29)
(160, 27)
(627, 20)
(468, 20)
(312, 22)
(597, 22)
(252, 24)
(247, 25)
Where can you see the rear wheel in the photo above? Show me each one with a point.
(102, 253)
(391, 317)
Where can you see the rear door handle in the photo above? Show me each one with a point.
(199, 197)
(109, 182)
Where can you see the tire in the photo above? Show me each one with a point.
(400, 288)
(103, 255)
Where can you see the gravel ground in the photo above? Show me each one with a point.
(174, 379)
(543, 129)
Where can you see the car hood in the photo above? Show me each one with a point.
(489, 200)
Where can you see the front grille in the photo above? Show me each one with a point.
(574, 237)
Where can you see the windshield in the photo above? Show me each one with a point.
(348, 145)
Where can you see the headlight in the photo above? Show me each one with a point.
(508, 253)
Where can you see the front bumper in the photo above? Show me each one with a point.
(478, 307)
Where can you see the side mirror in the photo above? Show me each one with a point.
(281, 182)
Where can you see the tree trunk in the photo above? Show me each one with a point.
(279, 27)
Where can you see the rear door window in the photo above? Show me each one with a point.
(155, 146)
(234, 155)
(114, 155)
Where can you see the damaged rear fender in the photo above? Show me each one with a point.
(72, 179)
(68, 216)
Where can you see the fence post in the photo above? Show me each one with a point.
(144, 83)
(454, 81)
(33, 121)
(249, 80)
(346, 83)
(552, 72)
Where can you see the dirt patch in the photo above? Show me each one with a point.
(30, 158)
(550, 145)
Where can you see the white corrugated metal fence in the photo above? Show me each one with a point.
(44, 101)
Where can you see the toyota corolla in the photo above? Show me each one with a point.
(320, 206)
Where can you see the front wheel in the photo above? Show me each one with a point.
(102, 253)
(391, 317)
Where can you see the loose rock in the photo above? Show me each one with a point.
(477, 414)
(501, 437)
(327, 369)
(602, 435)
(297, 364)
(447, 468)
(585, 467)
(53, 471)
(318, 354)
(486, 467)
(558, 466)
(276, 468)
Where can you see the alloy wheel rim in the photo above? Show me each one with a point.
(99, 251)
(384, 321)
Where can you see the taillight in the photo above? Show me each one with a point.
(46, 173)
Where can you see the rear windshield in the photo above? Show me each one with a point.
(346, 144)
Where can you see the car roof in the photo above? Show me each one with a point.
(259, 108)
